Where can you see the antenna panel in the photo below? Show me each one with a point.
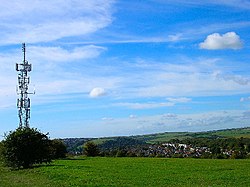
(23, 102)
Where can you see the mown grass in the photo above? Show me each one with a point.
(102, 171)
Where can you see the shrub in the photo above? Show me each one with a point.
(25, 147)
(90, 149)
(131, 154)
(237, 155)
(121, 153)
(1, 150)
(58, 149)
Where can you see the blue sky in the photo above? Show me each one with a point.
(109, 68)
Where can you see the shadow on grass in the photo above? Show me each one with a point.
(64, 166)
(67, 165)
(52, 164)
(69, 158)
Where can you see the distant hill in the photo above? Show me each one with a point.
(225, 133)
(74, 145)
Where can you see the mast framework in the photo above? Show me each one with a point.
(23, 102)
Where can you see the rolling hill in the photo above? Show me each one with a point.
(74, 145)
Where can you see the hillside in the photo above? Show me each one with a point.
(74, 145)
(225, 133)
(167, 136)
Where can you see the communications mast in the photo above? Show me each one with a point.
(23, 102)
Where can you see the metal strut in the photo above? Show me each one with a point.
(23, 102)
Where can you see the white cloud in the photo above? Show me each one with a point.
(177, 123)
(145, 105)
(243, 4)
(216, 41)
(63, 55)
(190, 78)
(107, 119)
(132, 116)
(49, 76)
(97, 92)
(175, 37)
(150, 105)
(243, 99)
(169, 115)
(235, 78)
(179, 100)
(42, 22)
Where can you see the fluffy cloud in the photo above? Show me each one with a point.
(97, 92)
(228, 40)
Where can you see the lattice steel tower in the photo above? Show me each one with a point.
(23, 102)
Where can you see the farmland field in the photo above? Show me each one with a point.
(101, 171)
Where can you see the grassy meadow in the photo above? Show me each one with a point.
(101, 171)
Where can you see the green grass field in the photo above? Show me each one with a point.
(103, 171)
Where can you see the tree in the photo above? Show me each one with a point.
(90, 149)
(215, 149)
(25, 147)
(1, 150)
(237, 155)
(121, 153)
(58, 148)
(248, 147)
